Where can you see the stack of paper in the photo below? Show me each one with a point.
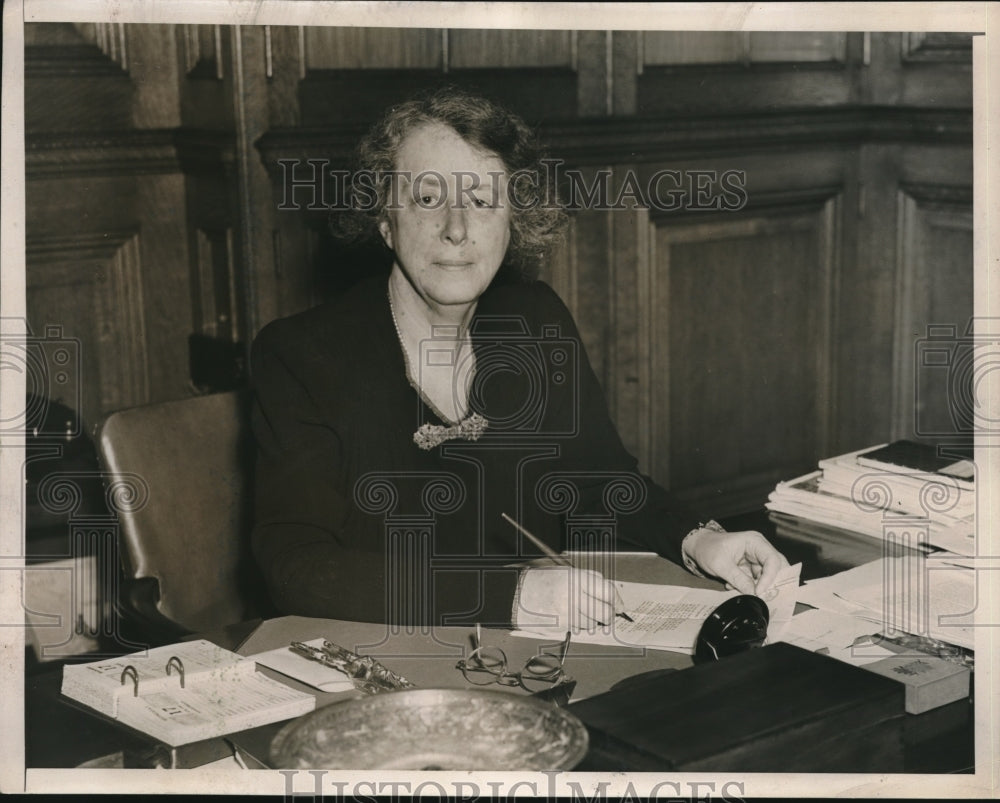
(874, 490)
(916, 595)
(206, 692)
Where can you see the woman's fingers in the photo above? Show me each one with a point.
(595, 602)
(559, 597)
(745, 560)
(769, 572)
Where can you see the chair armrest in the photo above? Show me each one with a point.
(137, 612)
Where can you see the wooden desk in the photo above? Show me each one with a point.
(58, 735)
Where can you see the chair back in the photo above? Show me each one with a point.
(189, 540)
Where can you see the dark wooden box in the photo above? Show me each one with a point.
(774, 709)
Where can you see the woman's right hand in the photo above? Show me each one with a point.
(561, 598)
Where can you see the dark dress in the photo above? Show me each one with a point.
(355, 521)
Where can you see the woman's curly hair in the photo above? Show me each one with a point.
(537, 220)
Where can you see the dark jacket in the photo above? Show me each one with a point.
(355, 521)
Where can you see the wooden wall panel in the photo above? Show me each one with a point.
(692, 47)
(372, 48)
(740, 391)
(840, 137)
(166, 285)
(676, 48)
(498, 48)
(69, 85)
(154, 68)
(89, 286)
(934, 295)
(796, 46)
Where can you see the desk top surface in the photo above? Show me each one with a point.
(428, 657)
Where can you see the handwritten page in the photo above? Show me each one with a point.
(666, 617)
(670, 617)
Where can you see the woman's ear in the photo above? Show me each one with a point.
(385, 229)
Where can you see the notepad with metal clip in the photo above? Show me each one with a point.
(184, 693)
(367, 674)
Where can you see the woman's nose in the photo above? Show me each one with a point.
(454, 230)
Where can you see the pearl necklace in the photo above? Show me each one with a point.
(428, 436)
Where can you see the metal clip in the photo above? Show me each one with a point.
(367, 674)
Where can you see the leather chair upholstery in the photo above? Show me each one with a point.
(185, 548)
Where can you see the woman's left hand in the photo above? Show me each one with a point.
(744, 560)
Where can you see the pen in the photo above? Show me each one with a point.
(561, 560)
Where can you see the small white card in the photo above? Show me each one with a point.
(781, 599)
(312, 673)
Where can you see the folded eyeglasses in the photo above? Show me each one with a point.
(488, 665)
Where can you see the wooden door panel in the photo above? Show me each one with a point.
(933, 383)
(741, 358)
(87, 289)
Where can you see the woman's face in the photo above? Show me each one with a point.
(447, 220)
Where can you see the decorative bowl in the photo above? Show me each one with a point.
(433, 729)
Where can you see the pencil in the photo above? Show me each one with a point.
(562, 560)
(546, 549)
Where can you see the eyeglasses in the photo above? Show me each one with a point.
(488, 665)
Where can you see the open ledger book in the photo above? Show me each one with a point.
(206, 692)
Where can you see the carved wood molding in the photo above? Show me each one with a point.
(51, 248)
(202, 152)
(655, 140)
(100, 153)
(940, 48)
(776, 202)
(128, 153)
(303, 144)
(69, 61)
(127, 382)
(604, 140)
(115, 287)
(202, 51)
(939, 195)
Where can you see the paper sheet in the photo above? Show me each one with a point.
(781, 599)
(920, 600)
(312, 673)
(913, 594)
(834, 634)
(669, 617)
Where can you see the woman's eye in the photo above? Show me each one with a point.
(481, 203)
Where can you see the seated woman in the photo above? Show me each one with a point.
(398, 422)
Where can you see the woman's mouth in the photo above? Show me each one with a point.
(453, 264)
